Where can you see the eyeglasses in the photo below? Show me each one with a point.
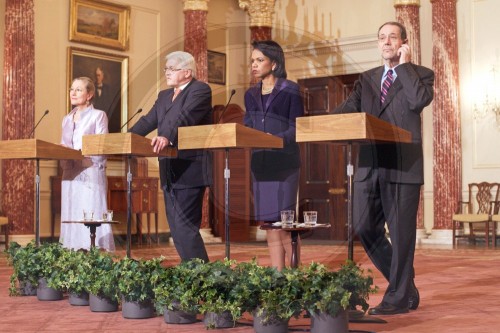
(171, 69)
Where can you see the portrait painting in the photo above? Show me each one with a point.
(216, 67)
(100, 23)
(109, 73)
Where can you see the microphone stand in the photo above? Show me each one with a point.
(129, 119)
(33, 130)
(227, 175)
(37, 187)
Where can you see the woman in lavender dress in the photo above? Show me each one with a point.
(84, 182)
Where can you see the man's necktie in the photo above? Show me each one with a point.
(385, 86)
(176, 92)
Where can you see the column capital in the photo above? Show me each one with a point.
(260, 12)
(434, 1)
(196, 5)
(406, 3)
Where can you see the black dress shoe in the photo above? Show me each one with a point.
(414, 298)
(385, 309)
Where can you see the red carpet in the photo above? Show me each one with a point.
(459, 292)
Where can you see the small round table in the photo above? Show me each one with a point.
(92, 225)
(295, 230)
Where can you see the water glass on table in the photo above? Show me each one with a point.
(88, 215)
(310, 217)
(287, 217)
(107, 216)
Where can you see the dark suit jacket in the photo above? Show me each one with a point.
(193, 106)
(409, 94)
(277, 117)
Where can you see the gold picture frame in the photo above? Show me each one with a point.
(112, 96)
(216, 67)
(99, 23)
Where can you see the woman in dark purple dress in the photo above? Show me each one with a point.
(271, 107)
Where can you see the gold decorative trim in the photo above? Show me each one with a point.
(196, 5)
(260, 12)
(407, 3)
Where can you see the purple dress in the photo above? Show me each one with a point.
(84, 183)
(275, 172)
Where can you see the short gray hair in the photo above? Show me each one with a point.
(184, 59)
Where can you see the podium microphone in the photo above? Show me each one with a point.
(34, 128)
(129, 119)
(225, 107)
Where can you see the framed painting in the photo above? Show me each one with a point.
(216, 67)
(109, 73)
(99, 23)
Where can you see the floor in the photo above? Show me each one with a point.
(459, 291)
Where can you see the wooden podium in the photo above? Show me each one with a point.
(123, 144)
(225, 136)
(348, 128)
(34, 149)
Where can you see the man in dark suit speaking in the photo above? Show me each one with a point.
(389, 176)
(187, 102)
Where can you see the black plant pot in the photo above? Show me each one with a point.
(102, 304)
(79, 299)
(325, 323)
(274, 325)
(45, 293)
(218, 320)
(27, 289)
(137, 310)
(178, 317)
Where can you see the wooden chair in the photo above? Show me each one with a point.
(4, 224)
(478, 209)
(496, 219)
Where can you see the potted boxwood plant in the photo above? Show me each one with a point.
(24, 279)
(135, 288)
(272, 296)
(102, 288)
(328, 295)
(220, 302)
(177, 291)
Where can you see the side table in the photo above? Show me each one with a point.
(92, 225)
(295, 230)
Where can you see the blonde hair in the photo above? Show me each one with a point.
(89, 84)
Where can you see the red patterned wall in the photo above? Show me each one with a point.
(18, 113)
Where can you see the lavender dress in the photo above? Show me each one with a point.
(84, 183)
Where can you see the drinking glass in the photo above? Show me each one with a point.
(107, 216)
(88, 215)
(310, 217)
(287, 216)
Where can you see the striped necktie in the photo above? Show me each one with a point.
(385, 86)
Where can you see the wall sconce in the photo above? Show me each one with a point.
(489, 104)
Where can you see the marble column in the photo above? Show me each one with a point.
(18, 176)
(407, 13)
(195, 34)
(261, 20)
(261, 17)
(446, 113)
(195, 42)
